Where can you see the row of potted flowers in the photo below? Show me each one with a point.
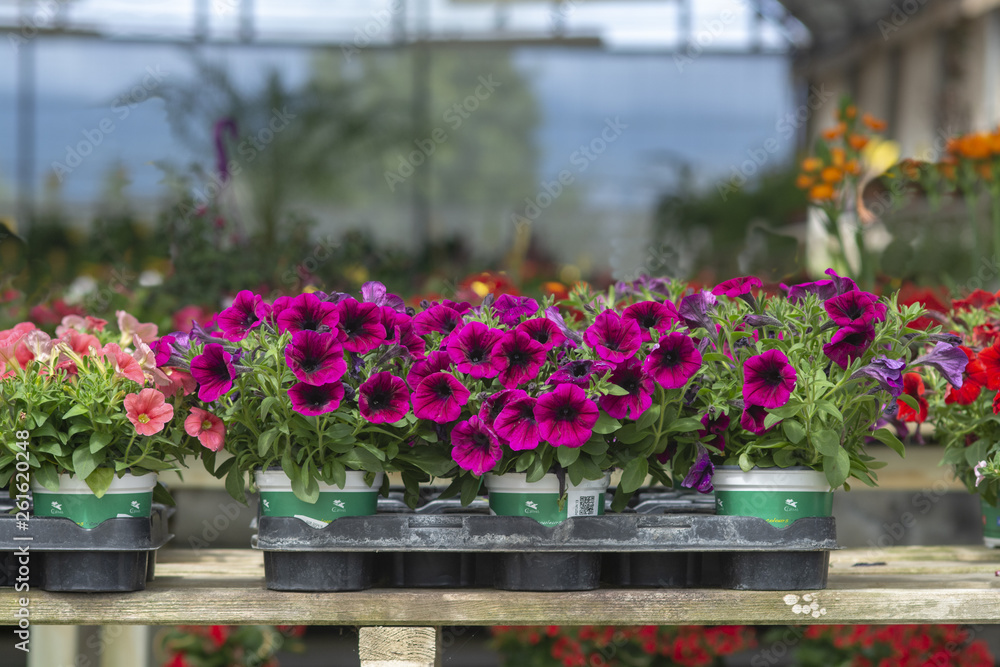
(319, 395)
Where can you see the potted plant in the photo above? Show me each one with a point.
(99, 421)
(791, 388)
(964, 418)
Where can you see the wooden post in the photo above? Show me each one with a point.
(383, 646)
(125, 645)
(54, 645)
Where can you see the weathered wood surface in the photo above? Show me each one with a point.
(916, 585)
(382, 646)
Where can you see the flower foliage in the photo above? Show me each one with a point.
(228, 645)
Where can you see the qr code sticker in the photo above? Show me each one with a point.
(585, 506)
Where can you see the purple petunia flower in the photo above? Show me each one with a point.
(737, 287)
(542, 330)
(552, 314)
(694, 309)
(311, 400)
(474, 446)
(237, 320)
(415, 346)
(565, 416)
(768, 380)
(850, 343)
(855, 308)
(361, 324)
(315, 358)
(887, 372)
(163, 349)
(307, 312)
(436, 319)
(715, 429)
(510, 309)
(842, 283)
(824, 289)
(375, 292)
(613, 337)
(578, 372)
(673, 361)
(629, 376)
(214, 372)
(493, 405)
(269, 312)
(517, 358)
(439, 397)
(652, 315)
(470, 349)
(383, 399)
(436, 361)
(949, 360)
(752, 419)
(700, 475)
(517, 425)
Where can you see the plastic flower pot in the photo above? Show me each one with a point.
(513, 495)
(129, 496)
(317, 570)
(991, 524)
(643, 569)
(777, 495)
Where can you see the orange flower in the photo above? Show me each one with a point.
(821, 192)
(812, 164)
(839, 157)
(832, 175)
(946, 167)
(852, 167)
(873, 123)
(985, 170)
(857, 141)
(910, 168)
(835, 132)
(804, 181)
(993, 139)
(973, 146)
(850, 112)
(560, 291)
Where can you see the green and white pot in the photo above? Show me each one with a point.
(777, 495)
(129, 496)
(512, 495)
(356, 498)
(991, 524)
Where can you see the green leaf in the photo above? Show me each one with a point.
(830, 409)
(888, 438)
(745, 463)
(794, 431)
(470, 488)
(616, 390)
(99, 480)
(362, 459)
(535, 471)
(524, 461)
(620, 500)
(788, 410)
(646, 419)
(837, 468)
(265, 441)
(770, 419)
(99, 441)
(827, 443)
(84, 463)
(785, 457)
(606, 424)
(634, 475)
(567, 456)
(685, 425)
(234, 484)
(596, 446)
(910, 401)
(74, 411)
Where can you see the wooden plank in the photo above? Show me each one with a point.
(381, 646)
(917, 585)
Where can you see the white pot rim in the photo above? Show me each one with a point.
(798, 478)
(277, 480)
(516, 482)
(128, 483)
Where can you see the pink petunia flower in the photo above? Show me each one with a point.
(208, 428)
(148, 411)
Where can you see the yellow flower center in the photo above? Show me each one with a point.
(206, 425)
(143, 419)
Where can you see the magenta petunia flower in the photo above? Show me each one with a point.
(542, 330)
(214, 372)
(579, 372)
(474, 446)
(849, 343)
(375, 292)
(673, 361)
(517, 425)
(163, 348)
(493, 405)
(361, 324)
(752, 419)
(714, 432)
(652, 315)
(439, 397)
(383, 399)
(315, 358)
(768, 380)
(510, 309)
(470, 347)
(517, 357)
(269, 312)
(855, 308)
(613, 337)
(824, 289)
(737, 287)
(237, 320)
(436, 361)
(415, 345)
(629, 376)
(436, 319)
(695, 310)
(311, 399)
(307, 312)
(565, 416)
(843, 284)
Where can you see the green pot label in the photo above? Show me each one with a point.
(991, 520)
(330, 506)
(545, 508)
(89, 511)
(778, 508)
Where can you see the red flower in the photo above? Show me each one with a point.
(913, 385)
(975, 379)
(977, 300)
(990, 360)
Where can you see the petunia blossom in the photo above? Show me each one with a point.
(565, 416)
(579, 372)
(544, 331)
(313, 400)
(307, 312)
(700, 475)
(949, 360)
(510, 309)
(695, 310)
(673, 361)
(887, 372)
(129, 325)
(517, 357)
(436, 319)
(650, 315)
(474, 446)
(208, 428)
(213, 369)
(361, 324)
(439, 397)
(853, 308)
(737, 287)
(613, 337)
(383, 399)
(517, 424)
(849, 343)
(237, 320)
(913, 386)
(315, 357)
(470, 349)
(438, 360)
(768, 379)
(375, 292)
(714, 432)
(752, 419)
(148, 411)
(125, 365)
(630, 376)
